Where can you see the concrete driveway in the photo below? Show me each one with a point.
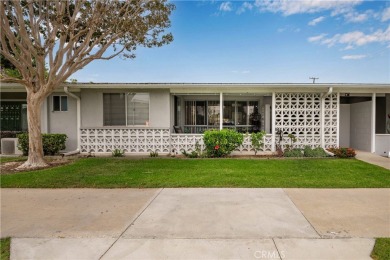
(194, 223)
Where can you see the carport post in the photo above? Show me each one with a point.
(220, 111)
(373, 115)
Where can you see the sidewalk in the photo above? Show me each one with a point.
(194, 223)
(373, 159)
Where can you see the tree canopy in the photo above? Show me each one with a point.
(46, 41)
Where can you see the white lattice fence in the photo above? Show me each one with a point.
(247, 144)
(105, 140)
(186, 142)
(300, 114)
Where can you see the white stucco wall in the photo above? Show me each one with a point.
(64, 122)
(345, 111)
(160, 109)
(91, 108)
(360, 132)
(382, 144)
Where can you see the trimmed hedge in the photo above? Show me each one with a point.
(220, 143)
(52, 143)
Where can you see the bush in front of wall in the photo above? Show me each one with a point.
(296, 152)
(153, 154)
(118, 153)
(220, 143)
(316, 152)
(257, 140)
(52, 143)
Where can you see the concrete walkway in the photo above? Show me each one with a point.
(373, 159)
(194, 223)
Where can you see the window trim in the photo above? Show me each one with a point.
(60, 96)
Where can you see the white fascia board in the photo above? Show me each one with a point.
(195, 88)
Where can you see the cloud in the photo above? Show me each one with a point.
(354, 17)
(226, 7)
(351, 39)
(386, 14)
(317, 38)
(289, 7)
(245, 6)
(353, 57)
(316, 21)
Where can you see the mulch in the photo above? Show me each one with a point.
(11, 167)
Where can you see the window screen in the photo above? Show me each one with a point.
(114, 109)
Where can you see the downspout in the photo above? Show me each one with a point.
(324, 95)
(78, 121)
(322, 99)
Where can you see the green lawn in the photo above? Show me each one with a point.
(381, 249)
(12, 159)
(5, 244)
(163, 172)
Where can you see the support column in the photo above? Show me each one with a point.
(338, 119)
(220, 111)
(322, 121)
(273, 124)
(373, 117)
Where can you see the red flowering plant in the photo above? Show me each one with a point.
(221, 143)
(343, 152)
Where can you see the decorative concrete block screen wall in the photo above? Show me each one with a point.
(105, 140)
(306, 115)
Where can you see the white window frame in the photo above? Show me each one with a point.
(60, 96)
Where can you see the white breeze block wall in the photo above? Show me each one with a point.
(300, 114)
(360, 136)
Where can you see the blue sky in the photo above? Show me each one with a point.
(263, 42)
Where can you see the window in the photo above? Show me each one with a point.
(60, 103)
(240, 115)
(13, 116)
(121, 109)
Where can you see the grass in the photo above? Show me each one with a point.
(12, 159)
(161, 172)
(5, 244)
(381, 249)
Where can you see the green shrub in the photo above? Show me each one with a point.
(220, 143)
(296, 152)
(257, 140)
(153, 154)
(118, 153)
(343, 152)
(52, 143)
(316, 152)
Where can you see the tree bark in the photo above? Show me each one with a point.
(35, 153)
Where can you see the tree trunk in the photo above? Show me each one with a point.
(35, 151)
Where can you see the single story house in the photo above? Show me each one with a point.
(168, 117)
